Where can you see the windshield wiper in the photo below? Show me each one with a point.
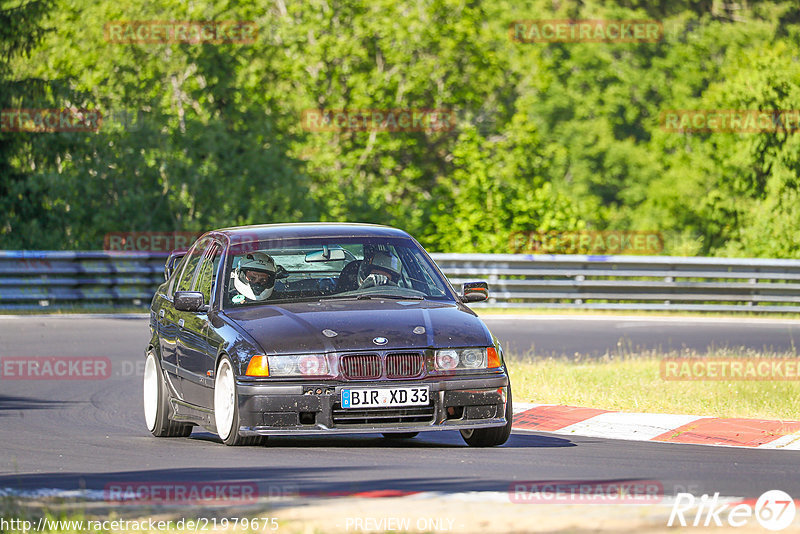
(397, 297)
(372, 296)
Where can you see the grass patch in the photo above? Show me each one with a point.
(633, 383)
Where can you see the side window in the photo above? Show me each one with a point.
(190, 264)
(208, 272)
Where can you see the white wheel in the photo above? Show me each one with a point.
(224, 400)
(156, 403)
(152, 391)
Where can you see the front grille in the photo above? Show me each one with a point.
(404, 365)
(382, 416)
(361, 366)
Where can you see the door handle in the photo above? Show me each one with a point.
(180, 323)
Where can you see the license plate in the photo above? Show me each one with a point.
(385, 397)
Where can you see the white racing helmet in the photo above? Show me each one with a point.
(254, 276)
(382, 266)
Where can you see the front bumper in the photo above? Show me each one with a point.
(314, 407)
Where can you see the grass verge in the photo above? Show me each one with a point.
(634, 383)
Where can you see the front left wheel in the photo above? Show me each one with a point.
(491, 437)
(226, 407)
(156, 403)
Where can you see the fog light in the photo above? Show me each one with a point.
(446, 360)
(455, 412)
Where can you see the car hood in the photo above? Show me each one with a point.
(346, 325)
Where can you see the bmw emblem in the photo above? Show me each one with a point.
(380, 341)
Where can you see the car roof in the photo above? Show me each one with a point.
(317, 229)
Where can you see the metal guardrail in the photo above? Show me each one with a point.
(42, 279)
(47, 279)
(630, 282)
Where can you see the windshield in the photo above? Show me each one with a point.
(344, 268)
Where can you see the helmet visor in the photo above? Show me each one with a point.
(259, 280)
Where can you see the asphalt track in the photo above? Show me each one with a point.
(595, 335)
(86, 434)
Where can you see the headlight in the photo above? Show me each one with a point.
(447, 360)
(282, 365)
(474, 358)
(294, 365)
(469, 358)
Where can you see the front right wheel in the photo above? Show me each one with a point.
(491, 437)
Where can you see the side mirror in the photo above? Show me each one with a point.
(474, 291)
(189, 301)
(172, 261)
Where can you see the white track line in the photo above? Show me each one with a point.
(632, 426)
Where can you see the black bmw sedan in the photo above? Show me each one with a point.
(316, 329)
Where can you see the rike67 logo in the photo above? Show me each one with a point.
(774, 510)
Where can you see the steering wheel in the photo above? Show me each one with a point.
(348, 278)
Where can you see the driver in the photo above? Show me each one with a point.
(254, 277)
(383, 268)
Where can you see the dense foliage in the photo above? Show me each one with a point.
(548, 136)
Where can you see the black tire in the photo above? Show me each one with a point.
(230, 436)
(254, 441)
(163, 426)
(399, 435)
(491, 437)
